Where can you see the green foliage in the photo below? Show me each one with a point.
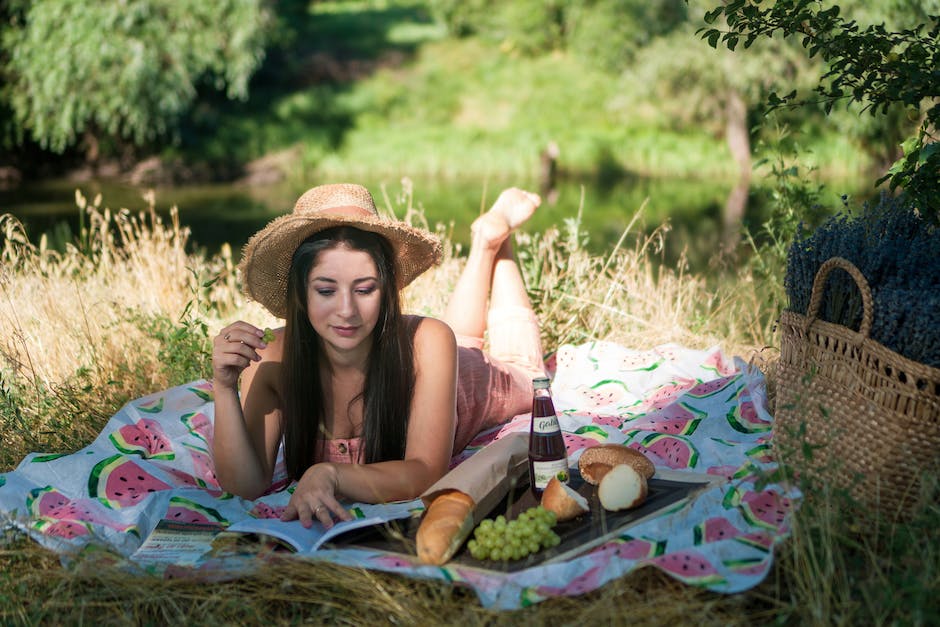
(123, 69)
(185, 348)
(603, 32)
(872, 65)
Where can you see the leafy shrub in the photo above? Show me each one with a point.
(898, 251)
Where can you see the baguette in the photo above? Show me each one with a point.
(446, 524)
(596, 461)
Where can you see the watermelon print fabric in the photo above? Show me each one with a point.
(688, 410)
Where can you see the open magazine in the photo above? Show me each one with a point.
(186, 543)
(307, 540)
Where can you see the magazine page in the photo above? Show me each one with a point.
(176, 542)
(308, 540)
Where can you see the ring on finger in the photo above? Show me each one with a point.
(316, 511)
(227, 337)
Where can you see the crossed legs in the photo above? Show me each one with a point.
(491, 283)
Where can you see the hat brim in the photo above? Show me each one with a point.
(266, 258)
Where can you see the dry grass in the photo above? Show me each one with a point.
(91, 327)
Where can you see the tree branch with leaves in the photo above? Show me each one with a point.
(873, 65)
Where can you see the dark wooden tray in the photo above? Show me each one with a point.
(577, 536)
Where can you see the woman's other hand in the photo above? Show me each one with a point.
(233, 350)
(314, 498)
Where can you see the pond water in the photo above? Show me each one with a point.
(230, 213)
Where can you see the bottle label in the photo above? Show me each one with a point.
(542, 472)
(545, 424)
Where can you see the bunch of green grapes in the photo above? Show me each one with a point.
(268, 336)
(501, 540)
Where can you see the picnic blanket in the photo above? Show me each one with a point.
(688, 410)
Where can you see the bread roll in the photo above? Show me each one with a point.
(446, 524)
(597, 460)
(622, 488)
(559, 498)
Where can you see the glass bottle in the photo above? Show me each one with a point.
(547, 455)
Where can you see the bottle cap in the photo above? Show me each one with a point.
(542, 383)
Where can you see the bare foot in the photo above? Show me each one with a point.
(513, 207)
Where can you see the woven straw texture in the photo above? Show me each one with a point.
(873, 414)
(266, 259)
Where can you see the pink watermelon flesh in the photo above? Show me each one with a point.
(638, 548)
(203, 391)
(67, 529)
(199, 425)
(714, 530)
(145, 438)
(760, 540)
(641, 362)
(574, 443)
(120, 482)
(710, 388)
(690, 567)
(765, 509)
(203, 467)
(716, 363)
(263, 510)
(676, 419)
(184, 510)
(603, 393)
(748, 565)
(664, 395)
(743, 417)
(675, 451)
(51, 504)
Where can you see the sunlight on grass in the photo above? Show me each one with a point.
(125, 310)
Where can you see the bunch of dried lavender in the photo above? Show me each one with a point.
(899, 254)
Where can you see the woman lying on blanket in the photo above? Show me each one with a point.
(370, 403)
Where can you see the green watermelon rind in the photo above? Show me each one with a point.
(41, 459)
(209, 513)
(130, 449)
(656, 437)
(742, 563)
(42, 524)
(726, 382)
(151, 407)
(653, 366)
(592, 429)
(608, 381)
(103, 467)
(743, 425)
(657, 547)
(186, 419)
(751, 543)
(207, 396)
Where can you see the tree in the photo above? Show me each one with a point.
(121, 70)
(607, 32)
(875, 66)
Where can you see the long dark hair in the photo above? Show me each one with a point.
(389, 383)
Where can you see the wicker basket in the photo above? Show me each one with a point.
(869, 416)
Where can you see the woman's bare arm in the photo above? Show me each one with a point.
(247, 431)
(428, 448)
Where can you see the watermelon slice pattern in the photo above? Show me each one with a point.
(689, 410)
(145, 438)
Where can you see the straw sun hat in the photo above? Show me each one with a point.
(266, 258)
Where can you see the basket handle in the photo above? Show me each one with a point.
(819, 284)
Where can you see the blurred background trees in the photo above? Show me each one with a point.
(106, 76)
(623, 87)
